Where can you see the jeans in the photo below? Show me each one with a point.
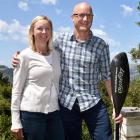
(40, 126)
(96, 119)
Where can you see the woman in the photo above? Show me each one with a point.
(34, 106)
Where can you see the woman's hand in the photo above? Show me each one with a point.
(18, 133)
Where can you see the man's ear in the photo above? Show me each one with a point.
(72, 17)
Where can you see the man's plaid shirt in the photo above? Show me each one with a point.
(83, 65)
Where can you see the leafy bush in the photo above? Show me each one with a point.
(85, 133)
(133, 97)
(5, 124)
(5, 113)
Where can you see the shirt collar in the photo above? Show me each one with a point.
(73, 38)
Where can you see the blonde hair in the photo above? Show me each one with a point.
(31, 36)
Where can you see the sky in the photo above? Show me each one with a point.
(114, 21)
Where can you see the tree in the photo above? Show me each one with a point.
(135, 52)
(5, 113)
(138, 23)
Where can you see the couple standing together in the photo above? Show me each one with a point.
(55, 85)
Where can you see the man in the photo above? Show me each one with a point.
(84, 61)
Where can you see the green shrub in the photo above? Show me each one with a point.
(133, 97)
(5, 125)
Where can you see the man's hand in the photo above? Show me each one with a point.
(15, 60)
(18, 133)
(118, 119)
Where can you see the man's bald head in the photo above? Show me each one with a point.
(82, 5)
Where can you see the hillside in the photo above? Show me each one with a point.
(7, 72)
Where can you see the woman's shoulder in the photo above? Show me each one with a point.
(26, 53)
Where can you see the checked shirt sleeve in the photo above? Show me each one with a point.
(105, 63)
